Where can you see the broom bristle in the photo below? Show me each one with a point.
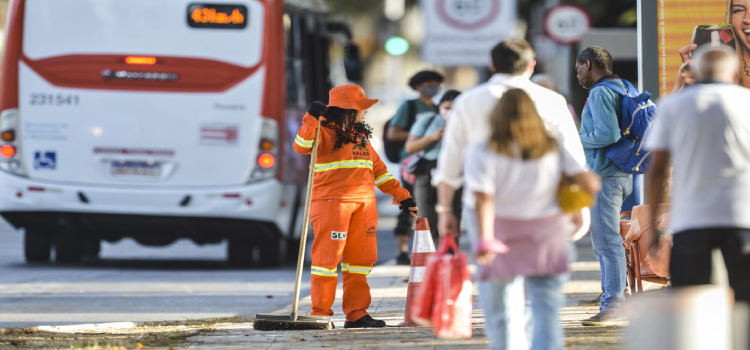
(262, 325)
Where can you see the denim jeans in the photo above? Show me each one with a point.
(606, 238)
(504, 305)
(426, 197)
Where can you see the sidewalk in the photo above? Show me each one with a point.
(388, 301)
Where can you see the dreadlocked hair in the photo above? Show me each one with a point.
(343, 121)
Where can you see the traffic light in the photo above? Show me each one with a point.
(396, 46)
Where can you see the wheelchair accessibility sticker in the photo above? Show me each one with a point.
(45, 160)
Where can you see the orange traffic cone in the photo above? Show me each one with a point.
(422, 248)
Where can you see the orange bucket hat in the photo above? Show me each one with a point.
(350, 97)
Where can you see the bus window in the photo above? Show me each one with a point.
(318, 64)
(296, 63)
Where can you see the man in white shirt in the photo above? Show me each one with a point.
(704, 131)
(513, 62)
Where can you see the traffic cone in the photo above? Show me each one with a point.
(422, 248)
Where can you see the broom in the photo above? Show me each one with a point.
(293, 321)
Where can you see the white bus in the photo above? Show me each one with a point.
(158, 120)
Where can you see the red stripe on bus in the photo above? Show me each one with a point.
(86, 72)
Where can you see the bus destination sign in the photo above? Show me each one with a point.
(217, 16)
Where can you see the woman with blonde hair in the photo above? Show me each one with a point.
(523, 234)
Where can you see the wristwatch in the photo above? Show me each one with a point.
(439, 208)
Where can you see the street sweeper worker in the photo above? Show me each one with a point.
(344, 210)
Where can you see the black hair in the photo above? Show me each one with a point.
(598, 56)
(512, 56)
(425, 76)
(449, 95)
(343, 121)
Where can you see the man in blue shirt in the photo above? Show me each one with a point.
(600, 129)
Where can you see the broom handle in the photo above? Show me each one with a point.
(305, 223)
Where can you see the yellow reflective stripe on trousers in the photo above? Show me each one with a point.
(346, 164)
(303, 143)
(321, 271)
(383, 178)
(362, 270)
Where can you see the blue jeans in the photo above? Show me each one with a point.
(504, 304)
(605, 236)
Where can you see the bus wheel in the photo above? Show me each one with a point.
(67, 247)
(91, 246)
(272, 252)
(292, 249)
(37, 245)
(240, 251)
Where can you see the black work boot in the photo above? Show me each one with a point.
(365, 322)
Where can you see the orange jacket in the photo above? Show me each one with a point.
(349, 173)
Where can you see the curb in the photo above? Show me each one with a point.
(86, 327)
(72, 328)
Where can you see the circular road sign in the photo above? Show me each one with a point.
(468, 14)
(566, 24)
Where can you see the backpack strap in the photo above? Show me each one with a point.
(430, 147)
(411, 113)
(612, 85)
(643, 97)
(431, 120)
(620, 91)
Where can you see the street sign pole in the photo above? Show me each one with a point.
(648, 67)
(648, 47)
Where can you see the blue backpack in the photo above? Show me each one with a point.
(635, 119)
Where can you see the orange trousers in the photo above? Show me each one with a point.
(345, 231)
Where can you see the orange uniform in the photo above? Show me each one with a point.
(344, 217)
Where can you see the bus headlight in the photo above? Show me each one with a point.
(10, 153)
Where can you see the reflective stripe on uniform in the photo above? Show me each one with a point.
(362, 270)
(303, 143)
(383, 178)
(346, 164)
(321, 271)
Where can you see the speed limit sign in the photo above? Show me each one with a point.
(566, 24)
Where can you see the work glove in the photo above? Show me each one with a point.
(317, 109)
(408, 203)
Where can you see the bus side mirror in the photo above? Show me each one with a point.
(352, 63)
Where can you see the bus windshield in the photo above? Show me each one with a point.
(230, 31)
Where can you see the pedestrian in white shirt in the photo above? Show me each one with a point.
(523, 233)
(513, 61)
(704, 132)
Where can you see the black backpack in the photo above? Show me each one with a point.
(393, 148)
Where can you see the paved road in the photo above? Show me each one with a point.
(135, 283)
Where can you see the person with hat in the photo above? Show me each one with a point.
(344, 210)
(427, 84)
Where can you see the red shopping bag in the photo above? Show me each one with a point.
(444, 298)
